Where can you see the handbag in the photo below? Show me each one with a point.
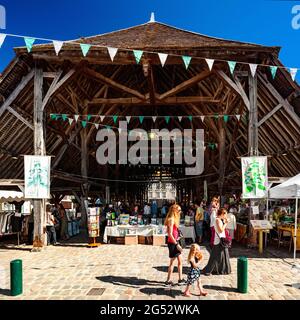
(181, 240)
(225, 242)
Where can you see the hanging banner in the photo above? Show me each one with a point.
(2, 38)
(255, 177)
(163, 58)
(57, 46)
(85, 48)
(138, 55)
(112, 52)
(253, 68)
(37, 177)
(210, 63)
(187, 61)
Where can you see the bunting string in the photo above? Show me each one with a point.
(186, 60)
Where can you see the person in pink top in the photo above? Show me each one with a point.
(172, 222)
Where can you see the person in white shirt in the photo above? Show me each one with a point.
(231, 226)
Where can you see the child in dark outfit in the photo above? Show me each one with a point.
(195, 256)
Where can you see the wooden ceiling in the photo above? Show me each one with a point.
(95, 85)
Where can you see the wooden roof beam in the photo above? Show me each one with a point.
(186, 84)
(166, 101)
(17, 91)
(236, 86)
(284, 102)
(100, 77)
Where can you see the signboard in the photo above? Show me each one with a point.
(261, 224)
(94, 222)
(37, 177)
(255, 177)
(255, 210)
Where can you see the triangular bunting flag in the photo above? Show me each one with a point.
(162, 57)
(293, 72)
(179, 118)
(112, 52)
(85, 48)
(115, 118)
(273, 71)
(186, 60)
(141, 118)
(83, 123)
(138, 55)
(154, 118)
(108, 127)
(232, 65)
(102, 118)
(2, 38)
(210, 63)
(216, 116)
(53, 116)
(89, 117)
(96, 125)
(64, 117)
(167, 118)
(202, 118)
(253, 68)
(57, 46)
(190, 118)
(70, 121)
(226, 117)
(29, 43)
(238, 116)
(128, 119)
(76, 117)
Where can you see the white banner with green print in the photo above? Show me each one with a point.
(255, 177)
(37, 177)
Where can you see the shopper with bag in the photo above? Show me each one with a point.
(172, 223)
(219, 262)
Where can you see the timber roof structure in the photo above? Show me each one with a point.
(73, 84)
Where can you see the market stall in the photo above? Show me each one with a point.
(289, 189)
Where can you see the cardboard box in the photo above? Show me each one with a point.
(131, 239)
(159, 240)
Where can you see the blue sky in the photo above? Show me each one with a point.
(260, 21)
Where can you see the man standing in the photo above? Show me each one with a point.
(50, 222)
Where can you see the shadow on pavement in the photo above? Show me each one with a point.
(161, 292)
(5, 292)
(185, 270)
(219, 288)
(132, 282)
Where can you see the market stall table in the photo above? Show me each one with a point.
(291, 231)
(138, 230)
(188, 232)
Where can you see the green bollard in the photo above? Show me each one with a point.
(16, 278)
(242, 273)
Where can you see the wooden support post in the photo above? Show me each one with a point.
(84, 172)
(222, 155)
(253, 129)
(39, 234)
(253, 121)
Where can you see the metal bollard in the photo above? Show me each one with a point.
(242, 273)
(16, 277)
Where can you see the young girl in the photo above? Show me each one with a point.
(195, 256)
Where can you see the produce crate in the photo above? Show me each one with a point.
(159, 240)
(131, 239)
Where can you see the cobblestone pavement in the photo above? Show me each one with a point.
(71, 271)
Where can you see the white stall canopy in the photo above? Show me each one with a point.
(10, 196)
(289, 189)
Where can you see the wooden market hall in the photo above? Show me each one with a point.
(41, 83)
